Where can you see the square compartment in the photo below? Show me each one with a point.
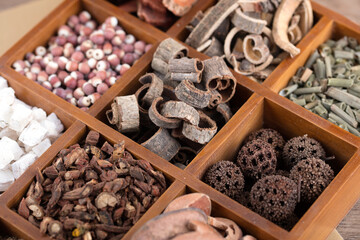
(43, 31)
(330, 207)
(20, 227)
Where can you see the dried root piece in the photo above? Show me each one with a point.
(193, 200)
(255, 49)
(230, 228)
(125, 113)
(155, 89)
(186, 68)
(105, 199)
(180, 110)
(203, 133)
(188, 93)
(78, 193)
(162, 144)
(179, 7)
(246, 23)
(158, 119)
(210, 22)
(215, 48)
(280, 25)
(168, 49)
(198, 231)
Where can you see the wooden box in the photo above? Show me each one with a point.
(255, 105)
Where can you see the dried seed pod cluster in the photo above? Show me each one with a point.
(180, 106)
(329, 83)
(160, 13)
(188, 217)
(91, 192)
(278, 187)
(83, 60)
(25, 134)
(251, 34)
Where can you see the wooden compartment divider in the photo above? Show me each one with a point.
(256, 105)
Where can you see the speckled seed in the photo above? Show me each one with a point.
(84, 102)
(88, 88)
(102, 88)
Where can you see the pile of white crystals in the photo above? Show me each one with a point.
(25, 133)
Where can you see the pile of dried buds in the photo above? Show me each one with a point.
(83, 60)
(188, 217)
(91, 192)
(160, 13)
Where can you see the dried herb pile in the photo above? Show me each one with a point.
(180, 105)
(91, 192)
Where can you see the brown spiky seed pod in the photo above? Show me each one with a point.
(314, 176)
(257, 159)
(270, 136)
(274, 197)
(300, 148)
(225, 177)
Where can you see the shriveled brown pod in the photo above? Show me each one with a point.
(162, 144)
(158, 119)
(281, 23)
(167, 49)
(155, 89)
(202, 133)
(210, 22)
(246, 23)
(186, 68)
(188, 93)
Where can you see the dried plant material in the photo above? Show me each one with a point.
(225, 111)
(179, 7)
(246, 23)
(169, 224)
(154, 12)
(210, 22)
(188, 93)
(162, 144)
(202, 133)
(160, 120)
(281, 23)
(155, 89)
(105, 199)
(199, 230)
(168, 49)
(259, 68)
(180, 110)
(125, 113)
(294, 31)
(214, 48)
(255, 49)
(192, 200)
(186, 69)
(230, 229)
(306, 16)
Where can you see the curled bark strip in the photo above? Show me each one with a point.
(259, 68)
(158, 119)
(251, 6)
(167, 49)
(143, 108)
(225, 111)
(188, 93)
(215, 99)
(180, 110)
(127, 110)
(217, 76)
(246, 23)
(155, 89)
(186, 68)
(255, 49)
(306, 16)
(215, 48)
(228, 40)
(294, 32)
(179, 8)
(210, 22)
(280, 25)
(162, 144)
(204, 46)
(215, 71)
(203, 133)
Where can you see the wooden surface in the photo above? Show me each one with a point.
(257, 106)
